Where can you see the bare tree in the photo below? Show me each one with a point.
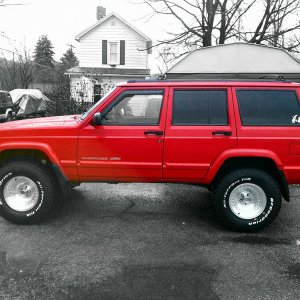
(17, 70)
(9, 72)
(5, 3)
(212, 22)
(166, 56)
(203, 22)
(26, 69)
(278, 24)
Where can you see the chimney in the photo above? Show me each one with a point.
(101, 12)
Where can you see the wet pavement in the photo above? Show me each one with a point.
(148, 241)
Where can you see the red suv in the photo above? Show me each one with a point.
(239, 139)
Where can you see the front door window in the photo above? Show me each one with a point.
(135, 109)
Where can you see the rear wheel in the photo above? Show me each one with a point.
(247, 199)
(26, 192)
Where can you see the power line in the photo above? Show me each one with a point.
(10, 51)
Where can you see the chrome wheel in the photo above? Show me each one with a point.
(247, 201)
(21, 193)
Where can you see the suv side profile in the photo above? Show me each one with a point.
(6, 107)
(240, 139)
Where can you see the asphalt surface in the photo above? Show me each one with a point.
(148, 241)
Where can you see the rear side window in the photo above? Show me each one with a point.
(200, 107)
(268, 107)
(2, 100)
(8, 99)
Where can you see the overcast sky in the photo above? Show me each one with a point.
(62, 20)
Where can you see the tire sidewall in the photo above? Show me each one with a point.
(270, 211)
(40, 207)
(9, 118)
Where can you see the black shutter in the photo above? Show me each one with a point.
(149, 47)
(104, 52)
(122, 52)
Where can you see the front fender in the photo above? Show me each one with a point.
(45, 148)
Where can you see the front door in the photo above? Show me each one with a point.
(129, 141)
(200, 125)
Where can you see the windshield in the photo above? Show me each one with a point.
(85, 114)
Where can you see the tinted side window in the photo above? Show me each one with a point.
(200, 107)
(2, 100)
(8, 100)
(268, 107)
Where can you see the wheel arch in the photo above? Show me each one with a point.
(34, 150)
(40, 153)
(8, 111)
(263, 163)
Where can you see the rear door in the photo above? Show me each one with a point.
(200, 125)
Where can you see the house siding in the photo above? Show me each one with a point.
(91, 45)
(86, 86)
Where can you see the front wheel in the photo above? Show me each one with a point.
(247, 199)
(26, 192)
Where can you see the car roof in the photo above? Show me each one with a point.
(209, 83)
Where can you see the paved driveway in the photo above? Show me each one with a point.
(148, 241)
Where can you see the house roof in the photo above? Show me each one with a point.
(81, 34)
(237, 58)
(108, 71)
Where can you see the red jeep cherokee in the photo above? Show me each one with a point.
(239, 139)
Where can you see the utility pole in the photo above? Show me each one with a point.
(71, 46)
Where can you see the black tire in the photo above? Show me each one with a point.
(231, 197)
(8, 117)
(37, 181)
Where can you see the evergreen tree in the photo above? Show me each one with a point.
(43, 57)
(68, 60)
(43, 53)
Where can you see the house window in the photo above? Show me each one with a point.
(113, 53)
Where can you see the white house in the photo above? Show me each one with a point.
(237, 60)
(111, 51)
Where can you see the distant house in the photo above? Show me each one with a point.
(111, 51)
(236, 61)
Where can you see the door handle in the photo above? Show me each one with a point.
(225, 133)
(154, 133)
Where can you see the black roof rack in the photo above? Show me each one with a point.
(265, 78)
(275, 76)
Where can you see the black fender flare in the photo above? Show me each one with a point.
(63, 182)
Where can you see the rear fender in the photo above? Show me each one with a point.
(234, 153)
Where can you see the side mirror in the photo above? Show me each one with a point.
(97, 119)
